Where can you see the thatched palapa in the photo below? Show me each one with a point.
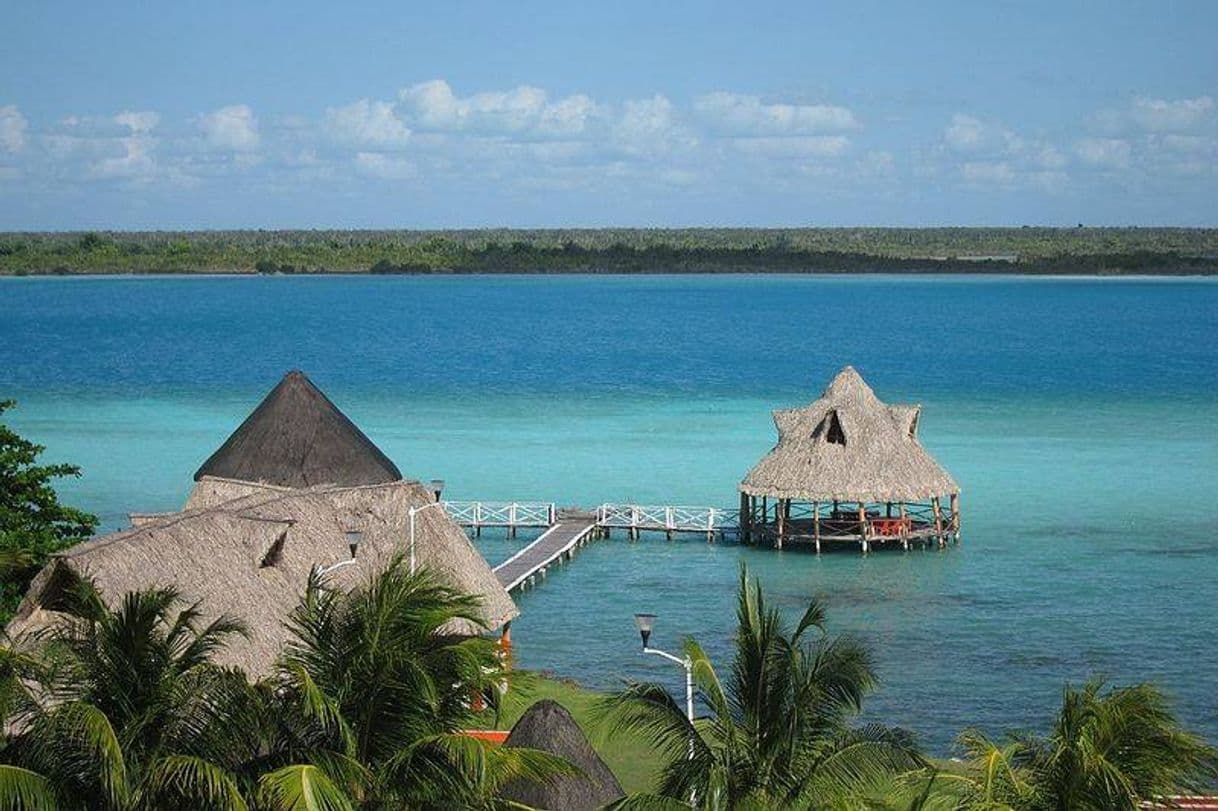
(250, 557)
(547, 726)
(296, 437)
(246, 547)
(849, 447)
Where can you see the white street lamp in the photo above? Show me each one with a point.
(413, 512)
(645, 623)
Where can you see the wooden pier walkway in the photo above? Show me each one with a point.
(556, 544)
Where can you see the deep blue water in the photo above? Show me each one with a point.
(1078, 415)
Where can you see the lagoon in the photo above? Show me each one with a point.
(1077, 414)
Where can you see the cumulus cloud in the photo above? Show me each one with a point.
(1111, 153)
(434, 106)
(793, 147)
(968, 134)
(983, 172)
(135, 163)
(366, 122)
(137, 122)
(12, 129)
(1166, 115)
(737, 114)
(385, 167)
(650, 126)
(233, 128)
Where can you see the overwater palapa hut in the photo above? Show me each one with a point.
(314, 493)
(849, 468)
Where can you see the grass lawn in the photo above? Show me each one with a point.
(632, 760)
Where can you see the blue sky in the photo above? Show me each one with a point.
(464, 114)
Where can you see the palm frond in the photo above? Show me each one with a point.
(25, 790)
(189, 782)
(301, 787)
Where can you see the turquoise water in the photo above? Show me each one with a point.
(1078, 415)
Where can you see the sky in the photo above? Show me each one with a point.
(531, 114)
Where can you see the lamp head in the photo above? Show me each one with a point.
(437, 487)
(354, 537)
(645, 623)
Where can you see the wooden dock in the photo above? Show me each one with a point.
(569, 528)
(556, 544)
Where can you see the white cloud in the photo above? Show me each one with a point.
(233, 128)
(433, 106)
(793, 147)
(988, 172)
(136, 162)
(1164, 115)
(386, 167)
(1113, 153)
(12, 129)
(737, 114)
(366, 122)
(966, 133)
(137, 122)
(650, 126)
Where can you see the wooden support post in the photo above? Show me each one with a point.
(863, 527)
(904, 529)
(478, 531)
(816, 524)
(955, 506)
(745, 517)
(782, 522)
(938, 510)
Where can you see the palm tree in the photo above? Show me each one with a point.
(779, 732)
(1109, 748)
(373, 691)
(130, 712)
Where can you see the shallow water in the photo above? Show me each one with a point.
(1077, 414)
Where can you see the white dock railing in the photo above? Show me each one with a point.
(667, 518)
(501, 513)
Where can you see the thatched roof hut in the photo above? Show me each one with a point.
(296, 437)
(847, 446)
(246, 550)
(548, 726)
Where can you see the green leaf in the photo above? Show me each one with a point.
(302, 787)
(24, 790)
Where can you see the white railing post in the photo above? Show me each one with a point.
(477, 513)
(512, 514)
(668, 518)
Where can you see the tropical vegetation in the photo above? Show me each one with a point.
(779, 731)
(125, 707)
(33, 522)
(610, 250)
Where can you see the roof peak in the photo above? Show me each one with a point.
(297, 437)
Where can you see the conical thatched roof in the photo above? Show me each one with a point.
(246, 550)
(296, 437)
(548, 726)
(848, 446)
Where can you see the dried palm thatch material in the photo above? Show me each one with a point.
(548, 726)
(296, 437)
(246, 550)
(848, 446)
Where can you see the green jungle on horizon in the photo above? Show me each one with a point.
(1030, 250)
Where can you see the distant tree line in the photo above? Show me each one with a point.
(694, 250)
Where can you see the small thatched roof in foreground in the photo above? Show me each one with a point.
(848, 446)
(548, 726)
(246, 550)
(296, 437)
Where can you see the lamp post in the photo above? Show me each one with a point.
(437, 487)
(645, 623)
(413, 512)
